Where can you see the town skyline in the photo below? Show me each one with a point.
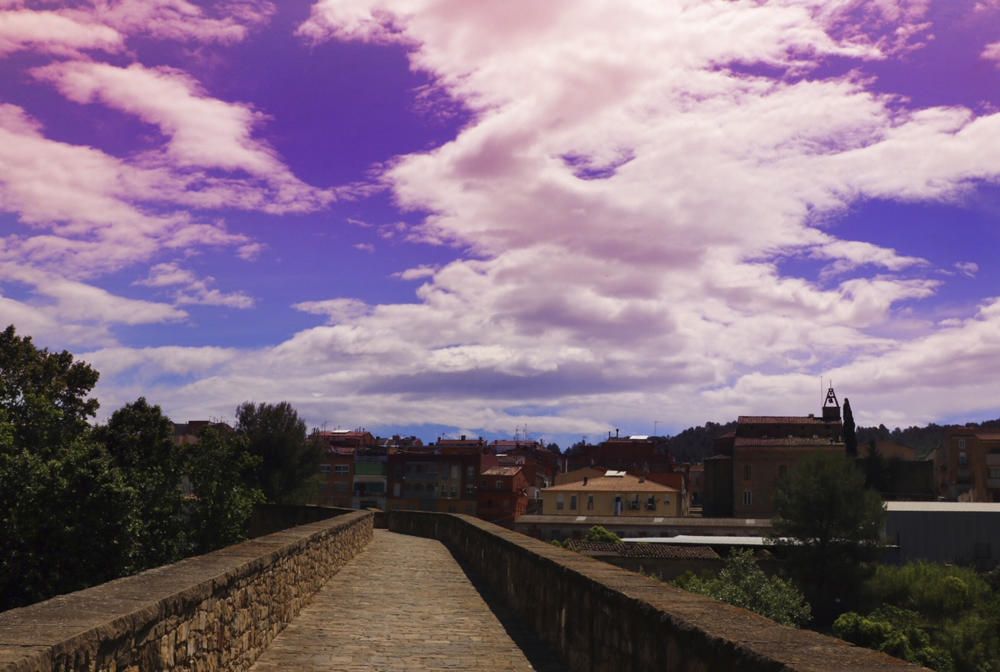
(433, 219)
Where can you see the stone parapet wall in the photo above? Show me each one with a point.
(211, 612)
(270, 518)
(602, 618)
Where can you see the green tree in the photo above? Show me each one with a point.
(744, 584)
(66, 511)
(876, 469)
(138, 437)
(601, 534)
(835, 527)
(45, 394)
(289, 461)
(67, 521)
(895, 631)
(956, 608)
(221, 470)
(850, 436)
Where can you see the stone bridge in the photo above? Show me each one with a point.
(430, 592)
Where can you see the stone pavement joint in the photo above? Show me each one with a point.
(404, 603)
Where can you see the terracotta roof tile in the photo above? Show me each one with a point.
(625, 483)
(805, 442)
(781, 420)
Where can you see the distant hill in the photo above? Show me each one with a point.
(922, 439)
(694, 444)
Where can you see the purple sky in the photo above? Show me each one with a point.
(431, 216)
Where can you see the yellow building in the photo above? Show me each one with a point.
(613, 494)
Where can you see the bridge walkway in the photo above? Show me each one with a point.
(405, 603)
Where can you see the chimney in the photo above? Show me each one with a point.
(463, 437)
(642, 479)
(585, 479)
(616, 432)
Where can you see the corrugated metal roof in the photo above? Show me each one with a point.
(644, 521)
(703, 540)
(945, 507)
(501, 471)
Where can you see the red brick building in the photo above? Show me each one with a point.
(337, 472)
(443, 477)
(539, 464)
(634, 454)
(503, 495)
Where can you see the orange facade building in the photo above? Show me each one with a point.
(967, 466)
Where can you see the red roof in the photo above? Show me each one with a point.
(791, 441)
(781, 420)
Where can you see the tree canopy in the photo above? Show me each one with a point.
(138, 438)
(744, 584)
(835, 524)
(221, 469)
(82, 505)
(288, 459)
(65, 509)
(941, 616)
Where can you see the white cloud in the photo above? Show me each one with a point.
(53, 32)
(967, 268)
(189, 289)
(630, 198)
(417, 272)
(337, 310)
(991, 52)
(202, 132)
(627, 193)
(182, 20)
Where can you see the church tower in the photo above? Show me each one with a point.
(831, 407)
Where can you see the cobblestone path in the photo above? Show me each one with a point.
(404, 604)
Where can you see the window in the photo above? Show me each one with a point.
(635, 502)
(560, 502)
(651, 504)
(341, 469)
(499, 485)
(994, 472)
(746, 472)
(325, 468)
(470, 489)
(963, 459)
(590, 502)
(470, 471)
(747, 498)
(961, 444)
(572, 502)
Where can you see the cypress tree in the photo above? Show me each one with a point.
(850, 438)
